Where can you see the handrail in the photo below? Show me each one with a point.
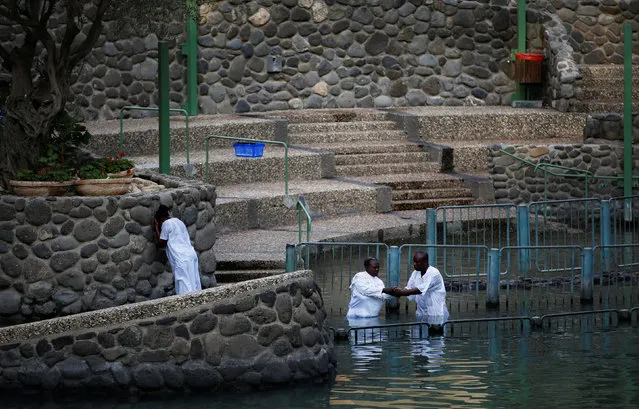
(580, 172)
(302, 206)
(137, 108)
(250, 140)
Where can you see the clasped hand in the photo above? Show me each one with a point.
(394, 291)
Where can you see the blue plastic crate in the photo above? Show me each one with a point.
(249, 149)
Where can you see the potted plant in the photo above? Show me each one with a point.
(94, 178)
(44, 182)
(120, 166)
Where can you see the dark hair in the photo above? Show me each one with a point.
(422, 254)
(162, 213)
(368, 261)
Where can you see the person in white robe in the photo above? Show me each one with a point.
(426, 287)
(367, 294)
(172, 233)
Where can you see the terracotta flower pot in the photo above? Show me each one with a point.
(103, 187)
(124, 174)
(39, 188)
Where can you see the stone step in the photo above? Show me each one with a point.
(385, 168)
(430, 203)
(421, 194)
(381, 158)
(330, 127)
(594, 106)
(312, 138)
(360, 148)
(330, 115)
(611, 92)
(227, 169)
(258, 206)
(236, 276)
(445, 182)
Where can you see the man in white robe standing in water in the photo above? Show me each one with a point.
(172, 233)
(368, 292)
(426, 287)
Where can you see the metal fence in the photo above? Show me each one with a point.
(565, 222)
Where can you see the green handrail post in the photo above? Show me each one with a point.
(431, 235)
(606, 236)
(492, 284)
(523, 238)
(234, 138)
(301, 207)
(392, 277)
(291, 260)
(190, 50)
(163, 79)
(138, 108)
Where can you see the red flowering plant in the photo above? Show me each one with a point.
(118, 164)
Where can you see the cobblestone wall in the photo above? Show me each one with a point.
(514, 183)
(595, 28)
(609, 126)
(65, 255)
(257, 333)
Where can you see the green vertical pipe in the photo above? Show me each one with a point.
(587, 272)
(163, 74)
(520, 90)
(190, 50)
(392, 276)
(290, 258)
(431, 235)
(627, 120)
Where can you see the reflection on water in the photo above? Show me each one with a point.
(564, 367)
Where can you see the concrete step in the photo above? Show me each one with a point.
(594, 106)
(236, 276)
(326, 127)
(414, 182)
(313, 138)
(366, 148)
(330, 115)
(141, 136)
(227, 169)
(609, 91)
(430, 203)
(385, 168)
(261, 205)
(606, 70)
(422, 194)
(500, 124)
(381, 158)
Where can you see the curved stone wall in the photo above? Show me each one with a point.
(256, 333)
(65, 255)
(514, 183)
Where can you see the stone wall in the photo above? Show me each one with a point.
(257, 333)
(66, 255)
(595, 28)
(561, 90)
(609, 126)
(514, 183)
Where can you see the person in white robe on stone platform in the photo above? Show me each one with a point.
(172, 233)
(426, 287)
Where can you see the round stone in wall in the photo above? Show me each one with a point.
(86, 230)
(38, 212)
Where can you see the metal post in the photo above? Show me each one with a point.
(492, 286)
(291, 262)
(627, 110)
(606, 237)
(523, 238)
(392, 277)
(431, 235)
(521, 44)
(587, 275)
(190, 50)
(163, 79)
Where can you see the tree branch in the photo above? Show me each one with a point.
(70, 32)
(94, 33)
(7, 62)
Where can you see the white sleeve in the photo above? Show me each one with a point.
(367, 288)
(165, 230)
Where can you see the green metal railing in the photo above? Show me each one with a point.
(137, 108)
(302, 209)
(234, 138)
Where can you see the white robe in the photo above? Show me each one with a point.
(431, 303)
(182, 256)
(366, 296)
